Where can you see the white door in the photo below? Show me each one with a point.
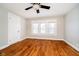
(13, 28)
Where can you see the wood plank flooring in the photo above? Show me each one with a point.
(38, 47)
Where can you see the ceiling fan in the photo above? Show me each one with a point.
(36, 6)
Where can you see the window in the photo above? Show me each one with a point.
(51, 28)
(44, 27)
(35, 27)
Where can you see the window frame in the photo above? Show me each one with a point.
(39, 32)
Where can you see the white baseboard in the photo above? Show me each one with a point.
(72, 45)
(45, 38)
(29, 37)
(8, 45)
(3, 47)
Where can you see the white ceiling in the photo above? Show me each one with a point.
(57, 9)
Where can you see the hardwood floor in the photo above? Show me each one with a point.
(36, 47)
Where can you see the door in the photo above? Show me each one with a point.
(13, 28)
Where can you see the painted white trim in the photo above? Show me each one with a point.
(3, 47)
(72, 45)
(26, 38)
(8, 45)
(45, 38)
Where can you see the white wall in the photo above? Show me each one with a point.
(12, 27)
(3, 27)
(72, 27)
(60, 28)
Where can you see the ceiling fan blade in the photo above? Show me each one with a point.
(38, 11)
(45, 7)
(28, 8)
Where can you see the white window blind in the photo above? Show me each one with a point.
(44, 27)
(35, 28)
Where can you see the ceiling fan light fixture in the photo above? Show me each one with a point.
(36, 7)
